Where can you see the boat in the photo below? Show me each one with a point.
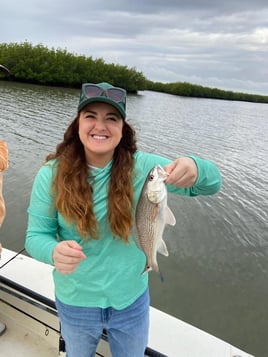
(27, 307)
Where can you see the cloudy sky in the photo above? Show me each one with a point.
(215, 43)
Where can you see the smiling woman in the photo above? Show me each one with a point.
(100, 131)
(81, 217)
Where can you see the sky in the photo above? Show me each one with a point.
(213, 43)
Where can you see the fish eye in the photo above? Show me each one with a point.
(151, 177)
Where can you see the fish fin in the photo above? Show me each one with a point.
(146, 270)
(155, 268)
(162, 248)
(169, 217)
(155, 212)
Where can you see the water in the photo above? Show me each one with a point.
(216, 275)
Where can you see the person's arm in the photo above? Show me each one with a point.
(42, 228)
(188, 176)
(3, 156)
(3, 167)
(195, 175)
(42, 232)
(2, 201)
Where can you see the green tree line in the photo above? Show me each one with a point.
(58, 67)
(193, 90)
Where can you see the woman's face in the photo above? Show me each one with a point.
(100, 131)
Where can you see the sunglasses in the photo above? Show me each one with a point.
(93, 90)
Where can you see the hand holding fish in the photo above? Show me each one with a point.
(182, 172)
(67, 255)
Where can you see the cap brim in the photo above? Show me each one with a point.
(102, 100)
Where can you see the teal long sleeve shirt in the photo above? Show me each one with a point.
(111, 273)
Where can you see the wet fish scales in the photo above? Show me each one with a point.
(151, 217)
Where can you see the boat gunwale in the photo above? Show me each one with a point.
(49, 306)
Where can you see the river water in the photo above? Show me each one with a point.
(216, 276)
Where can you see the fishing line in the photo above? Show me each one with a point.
(22, 250)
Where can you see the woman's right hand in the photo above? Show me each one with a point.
(67, 255)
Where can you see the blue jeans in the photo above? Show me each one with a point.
(127, 329)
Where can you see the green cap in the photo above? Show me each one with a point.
(105, 93)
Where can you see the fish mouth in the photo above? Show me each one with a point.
(162, 174)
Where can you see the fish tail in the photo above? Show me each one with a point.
(147, 269)
(153, 266)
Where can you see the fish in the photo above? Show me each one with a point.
(152, 215)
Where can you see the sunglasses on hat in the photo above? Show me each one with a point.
(93, 90)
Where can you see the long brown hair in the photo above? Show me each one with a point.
(73, 192)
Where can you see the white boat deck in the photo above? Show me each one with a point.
(39, 336)
(23, 337)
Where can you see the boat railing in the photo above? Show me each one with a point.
(42, 302)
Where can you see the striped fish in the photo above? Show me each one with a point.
(152, 214)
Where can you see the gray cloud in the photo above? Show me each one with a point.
(211, 43)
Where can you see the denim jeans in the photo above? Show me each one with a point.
(127, 329)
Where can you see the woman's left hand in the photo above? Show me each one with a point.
(182, 172)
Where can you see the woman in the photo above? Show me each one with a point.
(3, 167)
(81, 214)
